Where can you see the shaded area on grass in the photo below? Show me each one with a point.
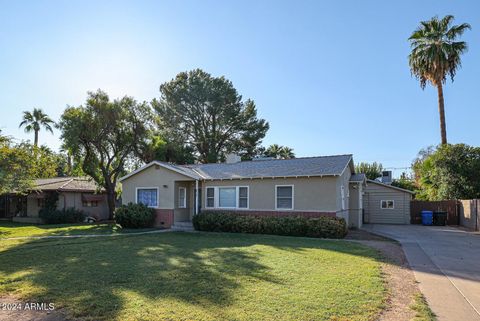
(13, 229)
(197, 276)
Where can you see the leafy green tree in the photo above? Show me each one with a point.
(279, 152)
(405, 182)
(71, 164)
(436, 54)
(34, 121)
(450, 172)
(105, 135)
(371, 170)
(15, 170)
(157, 148)
(207, 114)
(43, 162)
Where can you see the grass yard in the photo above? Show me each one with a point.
(196, 276)
(12, 229)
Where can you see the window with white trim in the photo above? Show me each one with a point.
(232, 197)
(210, 197)
(387, 204)
(284, 197)
(342, 194)
(227, 197)
(182, 197)
(147, 196)
(243, 197)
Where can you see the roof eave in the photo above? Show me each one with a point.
(390, 186)
(138, 170)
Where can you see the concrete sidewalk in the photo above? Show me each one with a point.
(446, 263)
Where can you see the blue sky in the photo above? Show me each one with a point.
(331, 77)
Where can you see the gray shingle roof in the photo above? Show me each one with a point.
(307, 166)
(358, 178)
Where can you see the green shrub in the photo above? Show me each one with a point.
(54, 216)
(324, 227)
(134, 216)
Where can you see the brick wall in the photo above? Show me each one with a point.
(277, 213)
(163, 218)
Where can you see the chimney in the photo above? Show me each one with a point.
(387, 177)
(232, 158)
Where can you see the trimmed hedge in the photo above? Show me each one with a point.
(70, 215)
(135, 216)
(324, 227)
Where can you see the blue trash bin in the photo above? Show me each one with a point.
(427, 217)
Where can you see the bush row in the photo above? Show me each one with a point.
(325, 226)
(55, 216)
(134, 216)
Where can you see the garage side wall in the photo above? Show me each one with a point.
(374, 194)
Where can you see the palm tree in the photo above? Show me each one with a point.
(34, 121)
(436, 54)
(279, 152)
(273, 150)
(286, 153)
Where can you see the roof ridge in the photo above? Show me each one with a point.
(52, 180)
(69, 181)
(265, 160)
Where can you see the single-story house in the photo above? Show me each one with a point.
(386, 204)
(73, 192)
(310, 186)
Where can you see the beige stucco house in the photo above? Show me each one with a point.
(311, 186)
(73, 192)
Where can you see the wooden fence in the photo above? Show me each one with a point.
(451, 207)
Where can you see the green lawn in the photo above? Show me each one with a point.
(11, 229)
(196, 276)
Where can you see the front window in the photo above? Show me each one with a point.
(210, 197)
(148, 196)
(388, 204)
(284, 197)
(227, 197)
(90, 203)
(243, 197)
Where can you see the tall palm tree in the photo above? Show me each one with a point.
(34, 121)
(436, 54)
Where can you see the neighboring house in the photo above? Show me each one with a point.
(73, 192)
(311, 186)
(386, 204)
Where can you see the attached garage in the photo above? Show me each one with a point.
(386, 204)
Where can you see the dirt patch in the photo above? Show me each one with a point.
(362, 235)
(12, 309)
(401, 284)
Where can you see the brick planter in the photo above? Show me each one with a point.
(163, 218)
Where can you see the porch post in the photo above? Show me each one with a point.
(196, 197)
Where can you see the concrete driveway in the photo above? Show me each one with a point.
(446, 263)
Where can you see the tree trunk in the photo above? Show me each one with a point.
(441, 111)
(111, 202)
(110, 189)
(35, 142)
